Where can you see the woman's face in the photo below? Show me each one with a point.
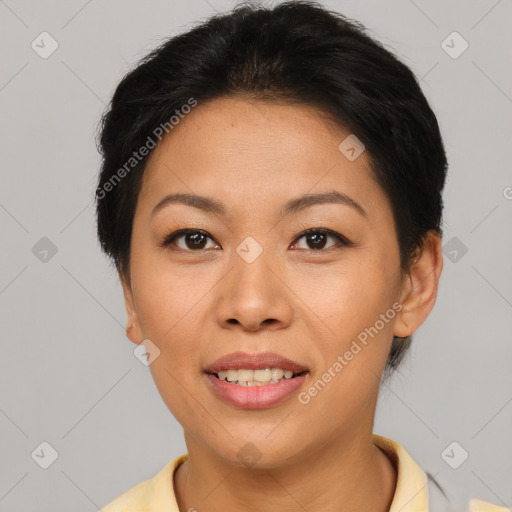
(250, 281)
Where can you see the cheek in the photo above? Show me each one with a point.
(352, 295)
(350, 300)
(168, 296)
(353, 353)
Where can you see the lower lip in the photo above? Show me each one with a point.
(255, 397)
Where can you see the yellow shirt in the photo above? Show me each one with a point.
(414, 492)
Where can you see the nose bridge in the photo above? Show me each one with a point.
(250, 262)
(250, 250)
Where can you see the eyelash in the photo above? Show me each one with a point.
(341, 240)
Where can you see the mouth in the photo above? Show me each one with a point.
(264, 370)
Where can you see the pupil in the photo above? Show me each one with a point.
(316, 238)
(197, 240)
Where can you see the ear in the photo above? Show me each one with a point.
(133, 329)
(419, 287)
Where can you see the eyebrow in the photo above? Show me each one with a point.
(211, 205)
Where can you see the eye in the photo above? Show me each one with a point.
(197, 239)
(194, 239)
(316, 238)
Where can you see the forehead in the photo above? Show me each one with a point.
(256, 155)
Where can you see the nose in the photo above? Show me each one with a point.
(254, 295)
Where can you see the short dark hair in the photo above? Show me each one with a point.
(297, 52)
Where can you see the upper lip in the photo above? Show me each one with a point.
(259, 361)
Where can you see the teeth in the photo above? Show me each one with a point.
(276, 374)
(245, 377)
(232, 375)
(261, 375)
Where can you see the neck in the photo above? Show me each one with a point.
(349, 474)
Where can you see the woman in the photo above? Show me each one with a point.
(271, 197)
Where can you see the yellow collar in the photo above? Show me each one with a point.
(411, 494)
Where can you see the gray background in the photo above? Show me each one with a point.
(68, 375)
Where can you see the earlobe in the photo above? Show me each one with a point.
(419, 289)
(133, 331)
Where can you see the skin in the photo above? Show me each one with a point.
(306, 304)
